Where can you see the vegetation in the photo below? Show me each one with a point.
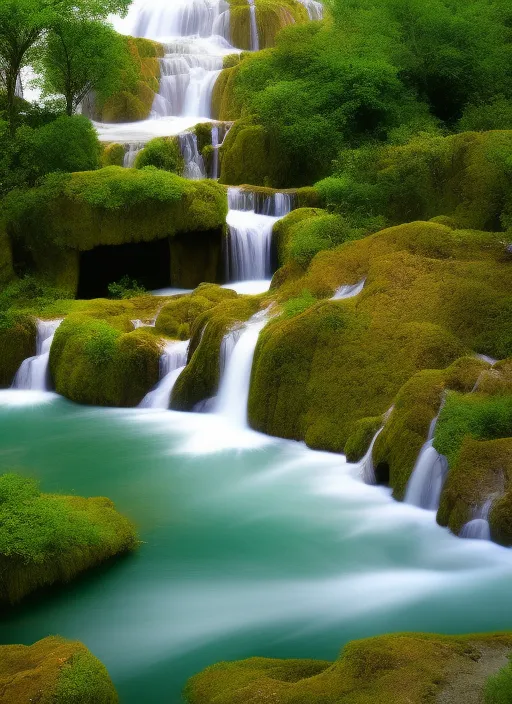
(406, 668)
(47, 538)
(498, 689)
(162, 153)
(64, 671)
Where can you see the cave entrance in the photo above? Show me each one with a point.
(382, 474)
(149, 263)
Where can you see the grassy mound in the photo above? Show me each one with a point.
(54, 671)
(47, 538)
(405, 668)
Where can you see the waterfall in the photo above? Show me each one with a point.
(132, 149)
(172, 363)
(349, 291)
(478, 527)
(34, 373)
(255, 40)
(215, 153)
(251, 219)
(366, 466)
(427, 479)
(236, 379)
(194, 164)
(315, 9)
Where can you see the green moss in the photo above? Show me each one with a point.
(225, 104)
(134, 101)
(113, 155)
(416, 312)
(248, 155)
(203, 132)
(231, 60)
(162, 153)
(46, 538)
(361, 436)
(93, 362)
(404, 668)
(177, 317)
(200, 379)
(283, 232)
(17, 342)
(498, 688)
(54, 671)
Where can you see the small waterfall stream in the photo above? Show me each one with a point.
(194, 168)
(478, 527)
(250, 220)
(366, 467)
(428, 476)
(235, 381)
(132, 149)
(34, 373)
(172, 363)
(255, 40)
(349, 291)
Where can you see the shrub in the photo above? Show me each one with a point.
(126, 288)
(498, 688)
(162, 153)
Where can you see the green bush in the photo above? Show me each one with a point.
(162, 153)
(126, 288)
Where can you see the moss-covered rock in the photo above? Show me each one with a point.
(54, 671)
(93, 362)
(404, 668)
(47, 538)
(176, 318)
(249, 155)
(77, 212)
(134, 101)
(432, 295)
(162, 153)
(17, 342)
(112, 155)
(200, 379)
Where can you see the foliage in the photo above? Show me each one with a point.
(126, 288)
(296, 306)
(81, 56)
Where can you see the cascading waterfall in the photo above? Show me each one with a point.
(132, 149)
(235, 381)
(194, 168)
(349, 291)
(172, 363)
(255, 40)
(428, 476)
(34, 373)
(250, 220)
(220, 131)
(478, 527)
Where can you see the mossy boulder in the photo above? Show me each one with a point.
(48, 538)
(112, 155)
(200, 379)
(17, 342)
(134, 100)
(226, 105)
(162, 153)
(54, 671)
(176, 318)
(249, 155)
(93, 362)
(403, 668)
(432, 295)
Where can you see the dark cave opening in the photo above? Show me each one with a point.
(382, 474)
(149, 263)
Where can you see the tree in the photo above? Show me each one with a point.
(24, 22)
(80, 56)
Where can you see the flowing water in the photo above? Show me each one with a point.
(252, 546)
(33, 373)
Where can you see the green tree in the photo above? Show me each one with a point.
(23, 23)
(82, 56)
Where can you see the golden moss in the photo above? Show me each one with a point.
(56, 671)
(17, 342)
(271, 17)
(177, 317)
(112, 155)
(403, 668)
(248, 155)
(419, 310)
